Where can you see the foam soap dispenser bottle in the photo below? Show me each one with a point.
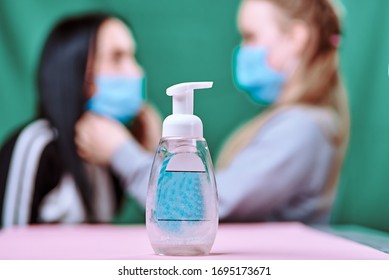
(181, 208)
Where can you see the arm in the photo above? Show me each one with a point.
(289, 155)
(132, 165)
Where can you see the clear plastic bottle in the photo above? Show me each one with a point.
(182, 212)
(181, 208)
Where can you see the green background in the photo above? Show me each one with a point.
(193, 40)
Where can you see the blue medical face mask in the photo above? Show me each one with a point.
(255, 76)
(117, 97)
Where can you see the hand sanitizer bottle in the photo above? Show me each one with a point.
(181, 208)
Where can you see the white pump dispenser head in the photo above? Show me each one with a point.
(182, 123)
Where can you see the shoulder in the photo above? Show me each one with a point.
(29, 157)
(34, 143)
(298, 123)
(35, 140)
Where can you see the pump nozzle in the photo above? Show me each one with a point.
(183, 96)
(182, 122)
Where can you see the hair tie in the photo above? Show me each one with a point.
(335, 40)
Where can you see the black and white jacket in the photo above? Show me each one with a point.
(34, 187)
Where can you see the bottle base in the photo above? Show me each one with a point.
(182, 250)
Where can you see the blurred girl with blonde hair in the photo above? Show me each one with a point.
(284, 164)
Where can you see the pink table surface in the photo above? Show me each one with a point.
(270, 241)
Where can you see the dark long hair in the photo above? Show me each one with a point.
(61, 86)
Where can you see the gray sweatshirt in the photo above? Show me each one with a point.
(278, 176)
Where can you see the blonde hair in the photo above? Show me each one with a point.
(320, 66)
(322, 87)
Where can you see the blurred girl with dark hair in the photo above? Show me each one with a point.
(87, 70)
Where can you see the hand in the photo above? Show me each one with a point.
(97, 138)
